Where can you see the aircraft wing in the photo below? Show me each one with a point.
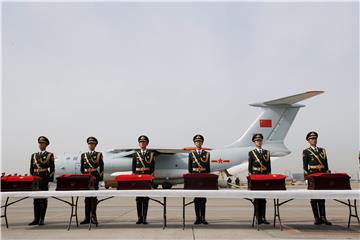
(127, 152)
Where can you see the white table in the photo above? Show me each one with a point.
(342, 196)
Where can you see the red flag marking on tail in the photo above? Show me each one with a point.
(265, 123)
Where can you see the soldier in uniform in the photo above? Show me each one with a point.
(42, 164)
(259, 163)
(92, 163)
(199, 162)
(315, 161)
(143, 163)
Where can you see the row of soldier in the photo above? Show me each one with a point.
(42, 164)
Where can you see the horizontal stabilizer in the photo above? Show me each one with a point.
(292, 99)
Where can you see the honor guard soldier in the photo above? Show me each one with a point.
(199, 162)
(259, 163)
(92, 163)
(42, 165)
(143, 163)
(315, 161)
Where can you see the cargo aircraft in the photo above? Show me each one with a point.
(273, 122)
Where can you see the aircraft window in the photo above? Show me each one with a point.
(75, 158)
(67, 158)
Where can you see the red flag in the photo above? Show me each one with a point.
(265, 123)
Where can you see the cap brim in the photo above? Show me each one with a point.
(312, 137)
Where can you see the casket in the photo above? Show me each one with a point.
(328, 181)
(266, 182)
(201, 181)
(134, 182)
(69, 182)
(20, 183)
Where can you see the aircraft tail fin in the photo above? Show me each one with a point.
(275, 121)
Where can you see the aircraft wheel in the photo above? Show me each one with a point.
(166, 185)
(155, 186)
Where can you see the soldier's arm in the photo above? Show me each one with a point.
(82, 164)
(305, 163)
(52, 168)
(326, 161)
(208, 162)
(190, 163)
(134, 163)
(101, 166)
(31, 165)
(152, 166)
(250, 163)
(269, 162)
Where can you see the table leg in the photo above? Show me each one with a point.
(7, 204)
(183, 213)
(72, 213)
(5, 212)
(164, 224)
(351, 207)
(356, 212)
(277, 205)
(253, 219)
(351, 214)
(277, 213)
(76, 208)
(74, 205)
(164, 210)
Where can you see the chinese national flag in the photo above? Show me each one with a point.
(265, 123)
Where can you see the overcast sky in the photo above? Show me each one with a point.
(118, 70)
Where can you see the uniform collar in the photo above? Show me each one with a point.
(314, 148)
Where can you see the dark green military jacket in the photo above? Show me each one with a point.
(43, 165)
(259, 163)
(199, 163)
(93, 164)
(143, 163)
(315, 161)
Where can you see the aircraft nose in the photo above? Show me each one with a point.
(59, 166)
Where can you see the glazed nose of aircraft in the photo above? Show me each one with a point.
(67, 164)
(60, 167)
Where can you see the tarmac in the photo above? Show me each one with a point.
(228, 219)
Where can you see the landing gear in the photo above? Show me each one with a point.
(167, 185)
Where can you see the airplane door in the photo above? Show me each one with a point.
(77, 168)
(77, 165)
